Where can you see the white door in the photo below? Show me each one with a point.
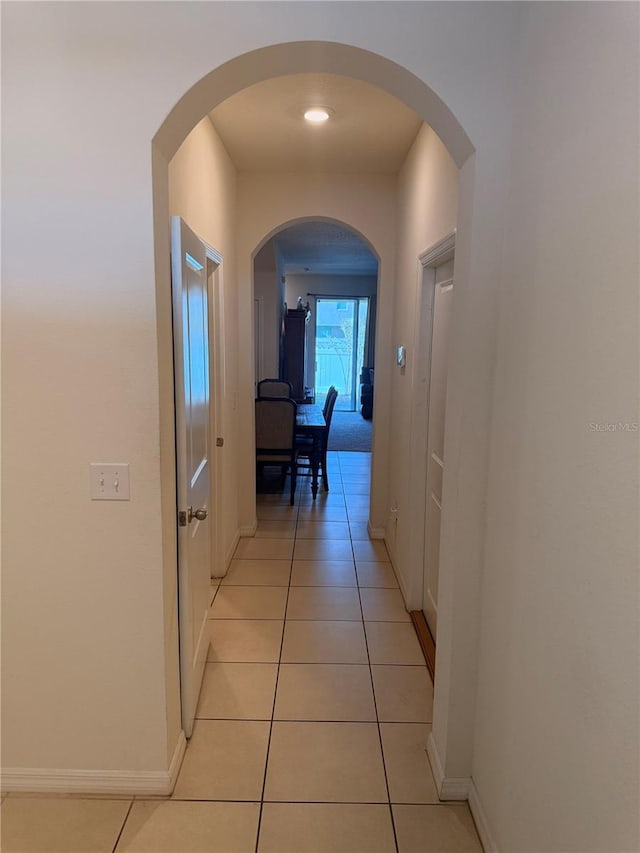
(443, 300)
(191, 368)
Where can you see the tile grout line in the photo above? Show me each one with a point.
(312, 619)
(302, 719)
(275, 691)
(375, 705)
(460, 804)
(124, 823)
(362, 622)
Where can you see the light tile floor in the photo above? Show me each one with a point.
(314, 713)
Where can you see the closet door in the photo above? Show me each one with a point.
(443, 300)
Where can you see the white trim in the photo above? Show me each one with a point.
(248, 530)
(53, 781)
(480, 817)
(438, 252)
(399, 578)
(212, 254)
(448, 788)
(176, 761)
(401, 584)
(375, 532)
(434, 760)
(428, 261)
(455, 788)
(258, 321)
(216, 401)
(232, 548)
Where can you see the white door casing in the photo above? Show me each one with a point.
(438, 255)
(258, 317)
(217, 386)
(442, 305)
(191, 370)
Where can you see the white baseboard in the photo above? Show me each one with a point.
(434, 761)
(389, 549)
(403, 589)
(480, 818)
(39, 780)
(455, 788)
(241, 531)
(232, 549)
(176, 761)
(248, 530)
(375, 532)
(448, 788)
(399, 578)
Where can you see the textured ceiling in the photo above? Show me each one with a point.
(263, 129)
(324, 247)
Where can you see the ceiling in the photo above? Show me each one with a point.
(263, 130)
(320, 247)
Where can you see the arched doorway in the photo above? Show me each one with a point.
(333, 271)
(231, 78)
(214, 88)
(310, 260)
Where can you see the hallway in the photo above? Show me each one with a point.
(314, 713)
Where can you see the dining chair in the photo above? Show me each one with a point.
(274, 388)
(305, 447)
(330, 393)
(276, 437)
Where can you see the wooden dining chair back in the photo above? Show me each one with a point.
(330, 393)
(328, 416)
(274, 388)
(276, 437)
(305, 447)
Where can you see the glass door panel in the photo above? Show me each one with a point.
(340, 336)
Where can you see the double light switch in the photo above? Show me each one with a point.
(109, 481)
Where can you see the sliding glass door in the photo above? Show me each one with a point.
(341, 324)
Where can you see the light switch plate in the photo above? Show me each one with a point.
(109, 481)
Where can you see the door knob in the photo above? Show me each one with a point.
(200, 514)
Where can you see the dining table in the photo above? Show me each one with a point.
(310, 422)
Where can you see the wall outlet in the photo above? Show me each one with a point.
(109, 481)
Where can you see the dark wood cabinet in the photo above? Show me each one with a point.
(294, 348)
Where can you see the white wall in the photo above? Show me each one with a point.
(83, 681)
(556, 736)
(426, 212)
(267, 290)
(329, 285)
(69, 399)
(86, 376)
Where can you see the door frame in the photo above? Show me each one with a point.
(258, 341)
(431, 258)
(217, 392)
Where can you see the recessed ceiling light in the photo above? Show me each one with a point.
(316, 115)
